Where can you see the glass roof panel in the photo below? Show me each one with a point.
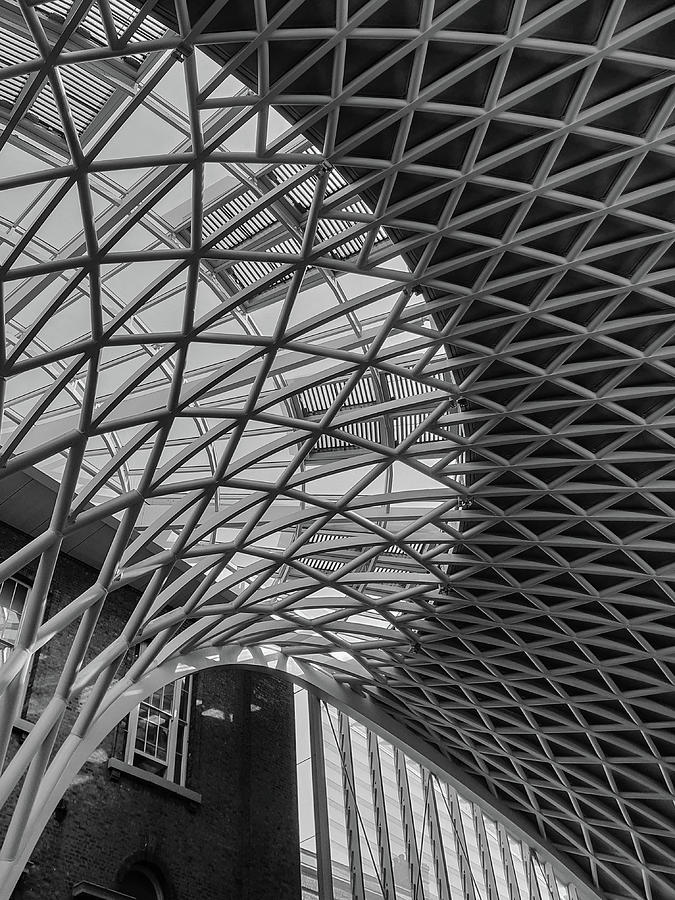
(229, 345)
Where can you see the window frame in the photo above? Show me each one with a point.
(150, 875)
(178, 731)
(5, 645)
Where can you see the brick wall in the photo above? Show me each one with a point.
(240, 842)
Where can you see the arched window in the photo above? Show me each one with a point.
(143, 882)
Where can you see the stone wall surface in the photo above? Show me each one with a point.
(239, 843)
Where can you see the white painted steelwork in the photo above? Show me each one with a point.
(356, 318)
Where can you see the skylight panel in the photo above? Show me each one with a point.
(87, 94)
(404, 426)
(367, 430)
(399, 386)
(318, 398)
(14, 49)
(221, 380)
(123, 14)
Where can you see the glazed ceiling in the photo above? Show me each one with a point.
(362, 312)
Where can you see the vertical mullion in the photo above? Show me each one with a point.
(552, 881)
(465, 873)
(381, 824)
(321, 823)
(132, 728)
(484, 853)
(532, 882)
(182, 775)
(436, 837)
(173, 730)
(351, 813)
(408, 822)
(507, 859)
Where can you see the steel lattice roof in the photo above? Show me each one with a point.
(362, 313)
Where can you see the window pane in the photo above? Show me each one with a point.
(152, 735)
(161, 732)
(12, 598)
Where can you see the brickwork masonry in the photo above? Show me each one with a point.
(239, 843)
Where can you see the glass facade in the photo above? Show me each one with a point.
(377, 825)
(355, 322)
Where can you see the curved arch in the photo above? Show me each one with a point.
(552, 287)
(125, 696)
(151, 867)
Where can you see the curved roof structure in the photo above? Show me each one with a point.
(356, 318)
